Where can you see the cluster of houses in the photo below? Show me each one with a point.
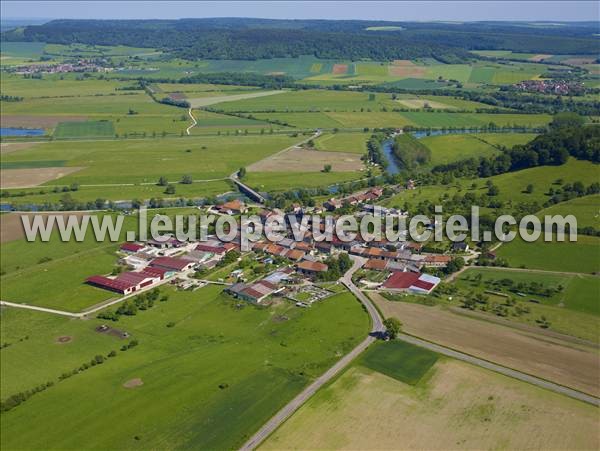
(152, 262)
(559, 87)
(83, 65)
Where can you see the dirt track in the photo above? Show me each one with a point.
(545, 357)
(6, 148)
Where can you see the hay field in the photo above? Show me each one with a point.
(27, 178)
(459, 407)
(212, 100)
(534, 354)
(301, 160)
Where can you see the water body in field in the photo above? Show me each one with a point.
(8, 131)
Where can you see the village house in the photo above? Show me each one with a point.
(311, 268)
(233, 207)
(128, 282)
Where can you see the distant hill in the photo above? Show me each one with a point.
(239, 38)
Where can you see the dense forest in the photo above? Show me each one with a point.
(228, 38)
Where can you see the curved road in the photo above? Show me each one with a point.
(193, 120)
(295, 403)
(377, 326)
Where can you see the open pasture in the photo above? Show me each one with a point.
(582, 256)
(117, 192)
(36, 121)
(307, 100)
(301, 121)
(285, 181)
(215, 360)
(443, 119)
(372, 120)
(137, 161)
(84, 129)
(449, 148)
(586, 209)
(460, 406)
(343, 142)
(303, 160)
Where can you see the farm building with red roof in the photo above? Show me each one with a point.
(172, 264)
(411, 281)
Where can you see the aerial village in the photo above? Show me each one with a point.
(296, 270)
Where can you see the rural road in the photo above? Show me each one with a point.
(377, 326)
(187, 130)
(269, 427)
(500, 369)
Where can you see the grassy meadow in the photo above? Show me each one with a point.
(217, 358)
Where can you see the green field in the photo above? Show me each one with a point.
(284, 181)
(343, 142)
(260, 363)
(86, 129)
(582, 256)
(402, 361)
(438, 119)
(586, 209)
(107, 162)
(449, 148)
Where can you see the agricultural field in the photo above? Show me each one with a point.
(259, 363)
(586, 209)
(285, 181)
(304, 160)
(109, 162)
(456, 404)
(582, 256)
(343, 142)
(449, 148)
(528, 349)
(84, 129)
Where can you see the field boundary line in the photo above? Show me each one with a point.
(501, 369)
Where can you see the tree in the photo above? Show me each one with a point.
(529, 189)
(456, 264)
(242, 172)
(393, 327)
(187, 179)
(493, 190)
(327, 168)
(567, 120)
(170, 189)
(163, 181)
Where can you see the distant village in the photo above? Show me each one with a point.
(81, 65)
(558, 87)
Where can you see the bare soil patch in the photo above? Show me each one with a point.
(579, 61)
(6, 148)
(28, 178)
(539, 57)
(339, 69)
(301, 160)
(205, 101)
(64, 339)
(177, 96)
(407, 71)
(403, 63)
(420, 103)
(11, 225)
(29, 121)
(542, 356)
(132, 383)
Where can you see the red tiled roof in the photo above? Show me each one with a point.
(132, 278)
(154, 272)
(423, 284)
(378, 265)
(172, 263)
(312, 266)
(111, 284)
(131, 247)
(211, 248)
(294, 254)
(400, 280)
